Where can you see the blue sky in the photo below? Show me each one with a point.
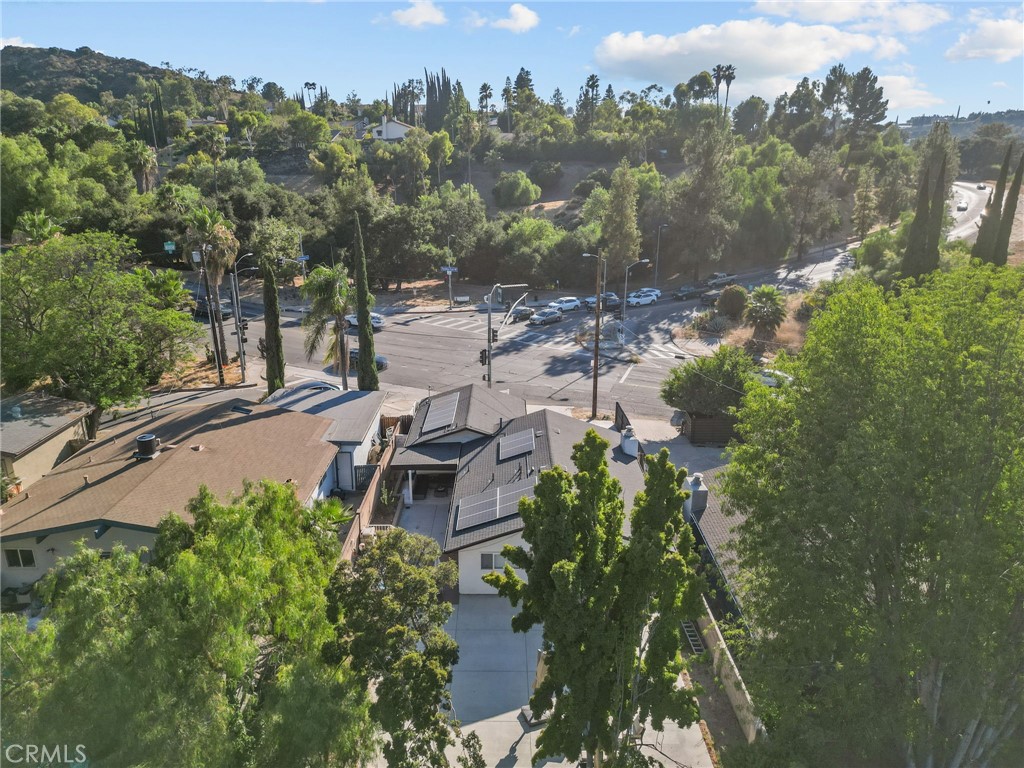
(930, 57)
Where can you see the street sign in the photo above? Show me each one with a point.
(449, 270)
(169, 246)
(303, 257)
(196, 257)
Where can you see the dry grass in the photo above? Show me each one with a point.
(790, 336)
(583, 414)
(197, 374)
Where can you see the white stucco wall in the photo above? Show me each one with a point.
(471, 574)
(37, 462)
(63, 545)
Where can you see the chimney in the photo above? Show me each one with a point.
(698, 500)
(85, 480)
(628, 443)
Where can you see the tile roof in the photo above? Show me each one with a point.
(719, 529)
(555, 436)
(353, 413)
(41, 417)
(479, 409)
(214, 445)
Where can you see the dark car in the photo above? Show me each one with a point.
(353, 360)
(609, 300)
(685, 292)
(203, 309)
(710, 298)
(521, 313)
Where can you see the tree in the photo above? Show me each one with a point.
(209, 657)
(865, 104)
(308, 131)
(326, 289)
(1009, 214)
(142, 160)
(749, 119)
(709, 386)
(619, 227)
(469, 137)
(814, 207)
(484, 98)
(390, 623)
(766, 310)
(208, 231)
(611, 608)
(439, 150)
(364, 301)
(865, 207)
(732, 302)
(882, 501)
(272, 240)
(834, 94)
(515, 190)
(34, 227)
(717, 74)
(76, 322)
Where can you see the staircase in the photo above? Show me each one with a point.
(693, 637)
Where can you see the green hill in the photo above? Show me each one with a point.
(42, 73)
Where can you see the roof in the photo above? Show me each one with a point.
(353, 413)
(479, 409)
(719, 529)
(41, 418)
(428, 457)
(219, 445)
(555, 435)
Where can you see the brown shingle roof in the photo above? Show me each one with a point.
(212, 445)
(39, 418)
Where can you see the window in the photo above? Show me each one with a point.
(491, 561)
(20, 558)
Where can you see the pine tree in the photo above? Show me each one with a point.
(936, 215)
(1002, 246)
(364, 300)
(272, 323)
(619, 227)
(917, 238)
(985, 245)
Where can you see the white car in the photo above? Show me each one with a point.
(962, 205)
(376, 321)
(655, 291)
(640, 299)
(565, 304)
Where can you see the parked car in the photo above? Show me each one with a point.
(609, 300)
(376, 321)
(685, 292)
(521, 313)
(710, 298)
(721, 279)
(203, 309)
(546, 316)
(353, 360)
(981, 185)
(773, 378)
(655, 291)
(639, 299)
(962, 205)
(565, 304)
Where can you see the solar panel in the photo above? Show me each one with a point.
(493, 504)
(441, 412)
(515, 444)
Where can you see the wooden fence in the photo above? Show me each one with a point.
(368, 506)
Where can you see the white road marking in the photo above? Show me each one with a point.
(628, 371)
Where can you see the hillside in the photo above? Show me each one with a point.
(42, 73)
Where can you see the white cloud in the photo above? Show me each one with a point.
(769, 58)
(420, 13)
(998, 39)
(520, 19)
(17, 42)
(575, 30)
(904, 92)
(889, 48)
(861, 15)
(999, 84)
(474, 20)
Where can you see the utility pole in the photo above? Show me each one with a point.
(492, 335)
(209, 311)
(597, 325)
(657, 255)
(625, 287)
(451, 303)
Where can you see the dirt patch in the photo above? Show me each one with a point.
(790, 336)
(197, 373)
(715, 709)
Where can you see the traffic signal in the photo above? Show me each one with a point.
(494, 335)
(242, 328)
(483, 357)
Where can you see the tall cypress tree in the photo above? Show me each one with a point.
(985, 245)
(917, 238)
(1002, 245)
(272, 323)
(936, 215)
(368, 379)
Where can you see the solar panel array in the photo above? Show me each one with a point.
(441, 412)
(515, 444)
(493, 504)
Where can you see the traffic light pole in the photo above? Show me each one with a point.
(239, 330)
(490, 336)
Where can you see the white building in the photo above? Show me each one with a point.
(390, 130)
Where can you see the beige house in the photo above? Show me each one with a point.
(38, 432)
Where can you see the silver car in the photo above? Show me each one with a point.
(376, 321)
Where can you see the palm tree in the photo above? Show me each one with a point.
(727, 77)
(142, 160)
(718, 75)
(766, 309)
(209, 231)
(311, 87)
(486, 92)
(34, 227)
(327, 293)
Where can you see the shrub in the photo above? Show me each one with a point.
(766, 310)
(515, 190)
(599, 178)
(718, 324)
(545, 173)
(733, 301)
(709, 385)
(703, 320)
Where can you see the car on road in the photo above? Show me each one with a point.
(640, 299)
(546, 316)
(721, 279)
(686, 292)
(376, 321)
(773, 378)
(709, 298)
(353, 360)
(655, 291)
(981, 185)
(565, 304)
(203, 309)
(520, 313)
(962, 205)
(609, 300)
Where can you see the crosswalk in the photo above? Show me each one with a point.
(522, 335)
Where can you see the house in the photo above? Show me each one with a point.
(713, 529)
(38, 432)
(121, 486)
(390, 130)
(355, 423)
(356, 128)
(486, 453)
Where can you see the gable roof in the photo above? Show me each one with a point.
(30, 419)
(555, 434)
(219, 445)
(352, 413)
(478, 409)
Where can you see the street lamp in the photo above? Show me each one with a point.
(657, 254)
(492, 334)
(237, 301)
(625, 287)
(451, 303)
(597, 323)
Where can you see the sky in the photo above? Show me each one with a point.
(930, 58)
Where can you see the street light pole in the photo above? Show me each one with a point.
(237, 299)
(490, 333)
(625, 287)
(597, 324)
(657, 254)
(451, 303)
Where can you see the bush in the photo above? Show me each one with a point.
(599, 178)
(703, 320)
(718, 324)
(709, 385)
(545, 173)
(733, 301)
(515, 190)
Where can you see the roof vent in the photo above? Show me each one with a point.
(147, 447)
